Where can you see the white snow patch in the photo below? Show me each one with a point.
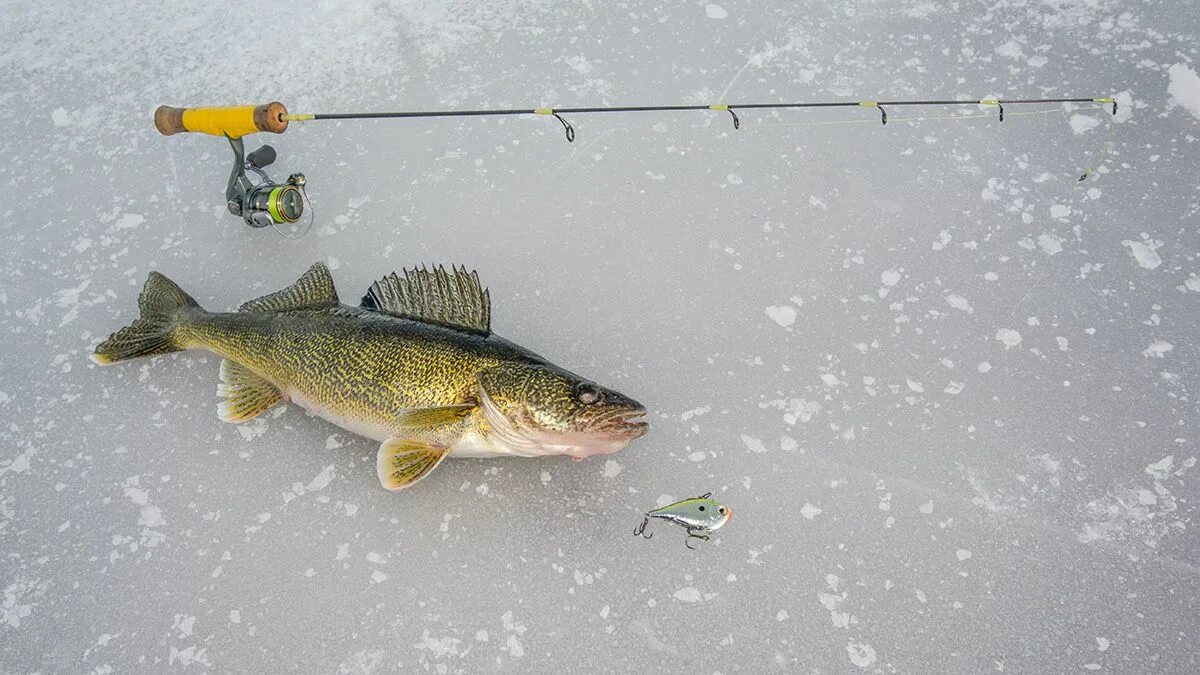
(61, 117)
(889, 277)
(611, 469)
(1161, 470)
(688, 594)
(1184, 88)
(784, 315)
(1049, 243)
(809, 511)
(963, 554)
(861, 653)
(960, 303)
(830, 379)
(1060, 211)
(1082, 124)
(1158, 349)
(753, 444)
(715, 12)
(1009, 337)
(1144, 252)
(129, 220)
(321, 480)
(1011, 49)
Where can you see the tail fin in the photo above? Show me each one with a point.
(162, 304)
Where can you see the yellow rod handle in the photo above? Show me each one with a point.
(234, 121)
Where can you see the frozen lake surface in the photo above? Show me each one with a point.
(949, 390)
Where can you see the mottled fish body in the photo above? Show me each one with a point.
(416, 367)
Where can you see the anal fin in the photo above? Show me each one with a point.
(247, 395)
(402, 461)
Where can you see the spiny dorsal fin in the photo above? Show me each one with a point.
(454, 298)
(312, 290)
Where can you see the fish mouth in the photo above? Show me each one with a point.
(624, 424)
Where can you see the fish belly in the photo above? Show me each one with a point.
(475, 444)
(355, 424)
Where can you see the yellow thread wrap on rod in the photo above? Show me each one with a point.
(544, 111)
(718, 107)
(989, 101)
(869, 104)
(1107, 99)
(234, 122)
(298, 117)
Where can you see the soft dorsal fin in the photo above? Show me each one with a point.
(455, 298)
(312, 290)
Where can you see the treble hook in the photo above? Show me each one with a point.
(641, 529)
(567, 126)
(882, 115)
(692, 534)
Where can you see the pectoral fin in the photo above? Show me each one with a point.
(246, 394)
(430, 420)
(402, 461)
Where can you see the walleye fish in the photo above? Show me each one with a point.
(415, 366)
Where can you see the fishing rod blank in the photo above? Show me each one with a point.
(270, 203)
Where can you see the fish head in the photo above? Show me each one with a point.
(544, 409)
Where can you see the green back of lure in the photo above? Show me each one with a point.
(697, 513)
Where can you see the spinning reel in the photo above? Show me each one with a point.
(266, 203)
(261, 203)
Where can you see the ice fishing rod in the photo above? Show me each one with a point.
(268, 203)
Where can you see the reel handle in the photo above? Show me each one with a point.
(232, 122)
(262, 157)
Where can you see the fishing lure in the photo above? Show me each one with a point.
(700, 516)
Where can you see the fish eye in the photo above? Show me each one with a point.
(588, 393)
(701, 508)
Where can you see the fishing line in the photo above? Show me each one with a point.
(312, 215)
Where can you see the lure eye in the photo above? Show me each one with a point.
(722, 510)
(588, 393)
(701, 508)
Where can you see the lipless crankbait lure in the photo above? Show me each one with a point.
(700, 516)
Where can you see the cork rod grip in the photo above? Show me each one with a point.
(234, 122)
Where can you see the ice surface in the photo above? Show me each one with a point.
(948, 389)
